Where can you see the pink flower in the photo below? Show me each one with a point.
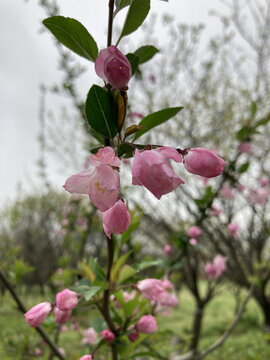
(113, 67)
(37, 314)
(101, 183)
(241, 187)
(151, 169)
(105, 156)
(86, 357)
(66, 300)
(89, 336)
(62, 351)
(227, 192)
(194, 232)
(245, 147)
(170, 300)
(151, 289)
(61, 317)
(216, 269)
(168, 286)
(233, 229)
(116, 220)
(193, 241)
(203, 162)
(167, 249)
(264, 181)
(147, 324)
(258, 196)
(108, 335)
(133, 336)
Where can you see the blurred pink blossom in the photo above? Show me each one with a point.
(108, 335)
(246, 147)
(151, 289)
(215, 211)
(194, 232)
(259, 196)
(61, 317)
(147, 324)
(264, 181)
(216, 269)
(233, 229)
(167, 249)
(227, 192)
(89, 336)
(193, 241)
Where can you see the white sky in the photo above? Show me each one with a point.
(29, 59)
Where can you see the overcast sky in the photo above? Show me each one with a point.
(29, 58)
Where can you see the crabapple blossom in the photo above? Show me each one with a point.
(86, 357)
(147, 324)
(133, 336)
(108, 335)
(116, 220)
(245, 148)
(203, 162)
(215, 211)
(151, 169)
(233, 229)
(194, 232)
(151, 289)
(259, 196)
(105, 156)
(193, 241)
(89, 336)
(227, 192)
(264, 181)
(167, 249)
(216, 269)
(37, 314)
(61, 317)
(66, 300)
(113, 67)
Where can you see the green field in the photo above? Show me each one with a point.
(246, 343)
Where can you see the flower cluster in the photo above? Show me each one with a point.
(215, 269)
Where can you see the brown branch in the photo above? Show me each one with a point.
(22, 308)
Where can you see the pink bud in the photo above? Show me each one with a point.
(151, 169)
(61, 317)
(133, 336)
(89, 336)
(246, 147)
(38, 352)
(233, 229)
(241, 187)
(193, 241)
(116, 220)
(167, 249)
(216, 269)
(66, 300)
(211, 271)
(108, 335)
(259, 196)
(203, 162)
(147, 324)
(151, 289)
(37, 314)
(86, 357)
(113, 67)
(194, 232)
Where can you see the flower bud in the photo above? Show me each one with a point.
(167, 249)
(151, 289)
(203, 162)
(113, 67)
(37, 314)
(246, 147)
(194, 232)
(66, 300)
(147, 324)
(233, 229)
(86, 357)
(108, 335)
(116, 220)
(89, 336)
(61, 317)
(133, 336)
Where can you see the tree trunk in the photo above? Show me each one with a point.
(197, 325)
(264, 303)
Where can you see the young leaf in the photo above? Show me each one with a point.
(134, 61)
(126, 272)
(136, 15)
(73, 35)
(101, 112)
(90, 293)
(145, 53)
(117, 266)
(155, 119)
(121, 4)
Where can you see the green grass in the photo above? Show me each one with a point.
(246, 343)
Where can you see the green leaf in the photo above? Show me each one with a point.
(145, 53)
(117, 266)
(73, 35)
(243, 168)
(101, 111)
(126, 272)
(127, 150)
(155, 119)
(130, 306)
(147, 264)
(253, 109)
(262, 122)
(121, 4)
(90, 293)
(134, 61)
(136, 15)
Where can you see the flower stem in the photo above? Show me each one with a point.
(110, 23)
